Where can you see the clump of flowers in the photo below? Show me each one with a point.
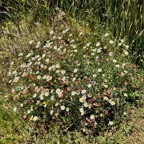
(84, 84)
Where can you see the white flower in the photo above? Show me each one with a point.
(94, 75)
(43, 55)
(75, 50)
(15, 109)
(111, 123)
(106, 34)
(46, 94)
(126, 46)
(41, 96)
(110, 53)
(83, 91)
(105, 98)
(63, 72)
(99, 70)
(20, 54)
(73, 93)
(38, 77)
(31, 41)
(92, 117)
(81, 100)
(57, 66)
(51, 32)
(111, 41)
(74, 79)
(97, 44)
(51, 112)
(75, 70)
(35, 118)
(85, 104)
(67, 109)
(125, 94)
(106, 86)
(49, 78)
(98, 50)
(34, 95)
(38, 45)
(122, 40)
(81, 111)
(112, 102)
(47, 60)
(73, 46)
(62, 107)
(114, 60)
(117, 66)
(126, 52)
(89, 85)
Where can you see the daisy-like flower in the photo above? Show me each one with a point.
(81, 111)
(34, 95)
(63, 72)
(58, 91)
(47, 60)
(111, 123)
(67, 109)
(85, 104)
(99, 70)
(117, 66)
(122, 40)
(35, 118)
(38, 45)
(105, 98)
(51, 32)
(75, 50)
(57, 66)
(44, 77)
(89, 85)
(73, 93)
(97, 44)
(112, 102)
(99, 50)
(83, 91)
(114, 60)
(111, 41)
(110, 53)
(75, 70)
(94, 75)
(62, 107)
(14, 109)
(125, 94)
(41, 96)
(126, 46)
(92, 117)
(38, 77)
(49, 78)
(126, 53)
(51, 112)
(31, 41)
(106, 34)
(46, 94)
(106, 86)
(43, 55)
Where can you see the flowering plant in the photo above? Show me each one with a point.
(73, 82)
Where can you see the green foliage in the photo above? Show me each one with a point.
(12, 127)
(122, 18)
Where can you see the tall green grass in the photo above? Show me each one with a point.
(122, 18)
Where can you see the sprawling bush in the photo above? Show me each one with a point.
(74, 80)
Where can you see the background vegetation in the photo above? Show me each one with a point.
(34, 32)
